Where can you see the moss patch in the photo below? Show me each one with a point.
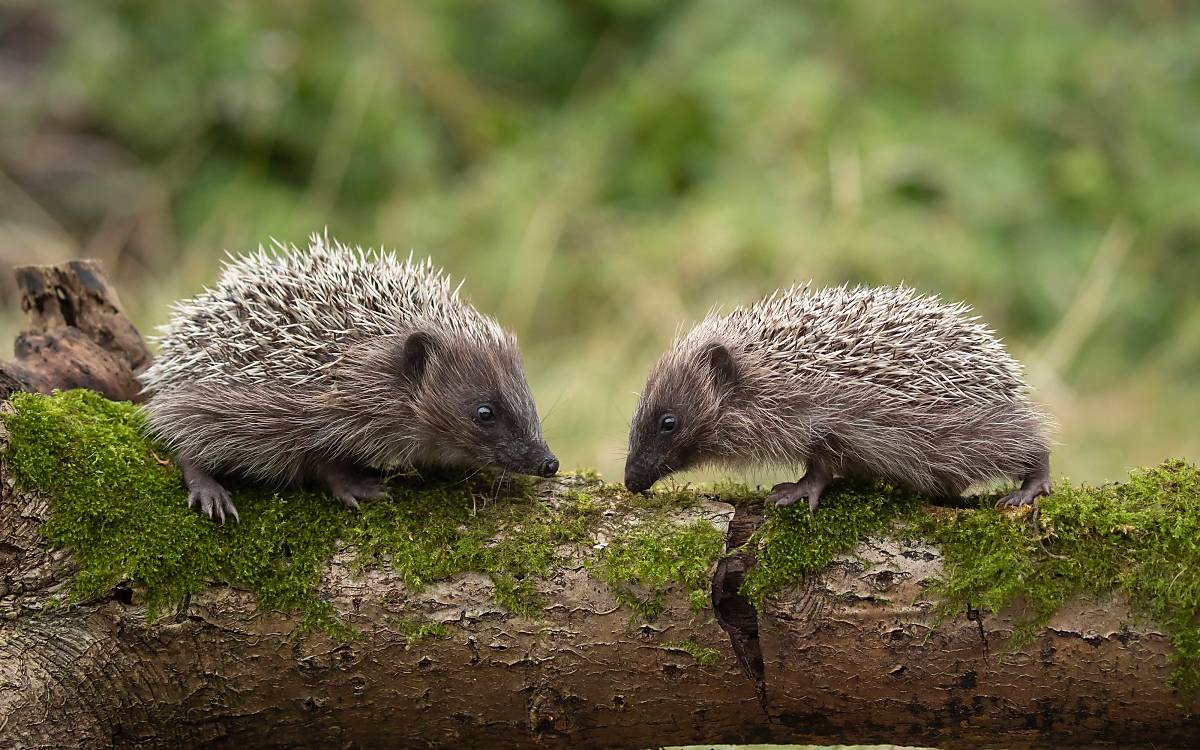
(705, 657)
(664, 499)
(432, 532)
(641, 563)
(1140, 537)
(121, 508)
(794, 542)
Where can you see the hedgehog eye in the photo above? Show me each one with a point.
(668, 423)
(485, 414)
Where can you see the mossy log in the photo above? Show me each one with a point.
(563, 613)
(475, 612)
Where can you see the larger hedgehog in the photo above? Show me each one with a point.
(847, 381)
(315, 365)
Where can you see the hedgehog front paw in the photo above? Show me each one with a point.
(213, 500)
(787, 493)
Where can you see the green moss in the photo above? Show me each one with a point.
(794, 542)
(666, 498)
(1140, 538)
(738, 494)
(640, 564)
(433, 531)
(705, 657)
(669, 496)
(415, 631)
(121, 508)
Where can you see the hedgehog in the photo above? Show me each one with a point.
(863, 381)
(330, 365)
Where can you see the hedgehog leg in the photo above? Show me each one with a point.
(817, 477)
(205, 493)
(350, 486)
(1033, 485)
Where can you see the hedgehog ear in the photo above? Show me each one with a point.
(721, 366)
(417, 349)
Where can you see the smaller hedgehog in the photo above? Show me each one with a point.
(313, 366)
(847, 381)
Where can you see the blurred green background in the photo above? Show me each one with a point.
(602, 171)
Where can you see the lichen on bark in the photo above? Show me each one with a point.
(1139, 538)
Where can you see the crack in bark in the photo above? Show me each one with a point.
(975, 616)
(735, 613)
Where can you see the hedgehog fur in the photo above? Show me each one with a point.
(301, 364)
(875, 381)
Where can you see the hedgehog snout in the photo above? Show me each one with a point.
(541, 461)
(639, 478)
(636, 485)
(534, 460)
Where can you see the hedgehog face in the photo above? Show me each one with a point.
(677, 419)
(473, 406)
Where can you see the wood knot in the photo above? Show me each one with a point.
(549, 714)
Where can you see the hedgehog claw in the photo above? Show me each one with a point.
(1026, 495)
(206, 494)
(213, 501)
(1016, 499)
(1034, 485)
(810, 486)
(787, 493)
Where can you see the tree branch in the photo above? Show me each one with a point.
(611, 646)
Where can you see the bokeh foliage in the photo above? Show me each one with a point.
(601, 171)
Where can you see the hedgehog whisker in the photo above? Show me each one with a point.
(550, 411)
(472, 475)
(499, 484)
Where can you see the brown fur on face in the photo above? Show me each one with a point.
(697, 389)
(428, 388)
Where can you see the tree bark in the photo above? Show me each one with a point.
(853, 654)
(78, 334)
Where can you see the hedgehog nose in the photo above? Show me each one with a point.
(549, 467)
(635, 483)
